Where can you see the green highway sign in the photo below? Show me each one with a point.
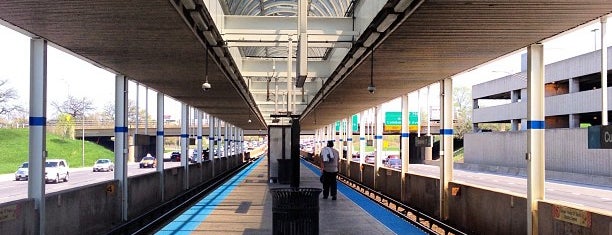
(393, 118)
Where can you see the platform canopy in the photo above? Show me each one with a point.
(163, 44)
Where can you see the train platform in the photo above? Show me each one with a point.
(243, 205)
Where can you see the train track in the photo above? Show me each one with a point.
(419, 219)
(153, 220)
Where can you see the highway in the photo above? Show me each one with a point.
(11, 190)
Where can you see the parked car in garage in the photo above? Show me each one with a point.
(22, 172)
(56, 170)
(148, 162)
(103, 165)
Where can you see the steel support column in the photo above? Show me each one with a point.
(379, 140)
(199, 138)
(604, 72)
(37, 149)
(535, 134)
(349, 142)
(211, 142)
(218, 133)
(121, 132)
(185, 144)
(159, 141)
(405, 134)
(362, 138)
(446, 144)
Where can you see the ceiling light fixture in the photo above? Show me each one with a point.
(206, 86)
(372, 88)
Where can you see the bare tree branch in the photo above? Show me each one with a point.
(76, 107)
(6, 96)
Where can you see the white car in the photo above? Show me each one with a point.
(56, 170)
(22, 172)
(103, 165)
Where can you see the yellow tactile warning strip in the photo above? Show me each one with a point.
(243, 211)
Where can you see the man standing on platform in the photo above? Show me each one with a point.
(329, 169)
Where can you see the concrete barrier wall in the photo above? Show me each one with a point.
(173, 180)
(218, 166)
(143, 193)
(90, 209)
(390, 182)
(566, 151)
(367, 175)
(422, 194)
(475, 210)
(195, 175)
(595, 222)
(207, 171)
(19, 217)
(355, 172)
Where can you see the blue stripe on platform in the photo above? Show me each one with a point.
(349, 139)
(160, 133)
(446, 131)
(536, 124)
(37, 121)
(121, 129)
(386, 217)
(378, 137)
(405, 135)
(184, 135)
(361, 138)
(187, 222)
(199, 137)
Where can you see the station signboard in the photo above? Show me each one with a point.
(605, 137)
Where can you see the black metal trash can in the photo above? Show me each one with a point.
(295, 210)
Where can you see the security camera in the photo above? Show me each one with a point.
(206, 86)
(371, 89)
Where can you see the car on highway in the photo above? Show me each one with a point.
(56, 170)
(148, 162)
(175, 157)
(370, 158)
(103, 165)
(22, 172)
(394, 163)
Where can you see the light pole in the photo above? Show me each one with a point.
(83, 138)
(595, 36)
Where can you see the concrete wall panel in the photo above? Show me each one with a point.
(566, 151)
(482, 211)
(600, 222)
(173, 180)
(143, 193)
(195, 175)
(368, 175)
(355, 172)
(20, 217)
(90, 209)
(423, 194)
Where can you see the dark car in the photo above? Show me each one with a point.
(175, 157)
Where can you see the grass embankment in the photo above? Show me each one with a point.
(14, 150)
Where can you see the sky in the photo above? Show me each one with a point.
(68, 75)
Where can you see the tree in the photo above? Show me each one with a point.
(75, 107)
(65, 126)
(462, 103)
(108, 112)
(7, 95)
